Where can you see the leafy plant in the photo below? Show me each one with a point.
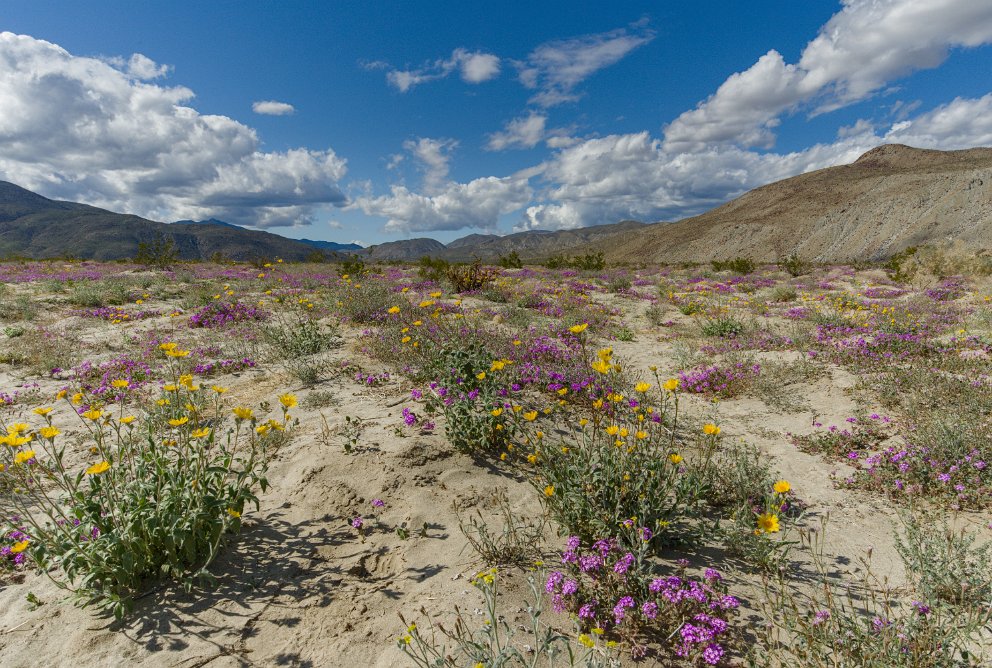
(161, 500)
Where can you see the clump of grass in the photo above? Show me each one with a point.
(516, 542)
(945, 564)
(860, 620)
(723, 326)
(497, 642)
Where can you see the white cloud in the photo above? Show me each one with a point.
(608, 179)
(335, 225)
(856, 53)
(961, 123)
(524, 132)
(432, 156)
(478, 67)
(359, 242)
(142, 67)
(556, 68)
(272, 108)
(861, 126)
(476, 204)
(474, 67)
(88, 129)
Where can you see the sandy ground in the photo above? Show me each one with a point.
(298, 589)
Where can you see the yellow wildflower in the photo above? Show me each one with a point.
(120, 383)
(675, 458)
(496, 412)
(201, 433)
(93, 414)
(43, 411)
(393, 310)
(97, 469)
(288, 400)
(243, 413)
(22, 457)
(549, 491)
(711, 429)
(768, 522)
(671, 384)
(233, 513)
(578, 329)
(601, 366)
(530, 416)
(642, 387)
(127, 419)
(49, 432)
(782, 486)
(19, 546)
(218, 389)
(178, 422)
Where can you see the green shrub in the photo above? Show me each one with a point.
(738, 265)
(160, 500)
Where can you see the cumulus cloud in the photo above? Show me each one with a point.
(524, 132)
(555, 68)
(961, 123)
(476, 204)
(855, 54)
(272, 108)
(608, 179)
(432, 156)
(93, 130)
(473, 66)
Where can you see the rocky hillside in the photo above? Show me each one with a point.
(892, 197)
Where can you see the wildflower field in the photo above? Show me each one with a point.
(323, 465)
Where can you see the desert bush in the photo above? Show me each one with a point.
(352, 266)
(783, 293)
(159, 251)
(432, 269)
(738, 265)
(466, 278)
(795, 265)
(510, 261)
(161, 500)
(619, 283)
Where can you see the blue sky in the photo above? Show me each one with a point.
(377, 121)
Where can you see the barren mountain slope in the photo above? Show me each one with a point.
(892, 197)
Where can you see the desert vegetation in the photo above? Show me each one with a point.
(440, 465)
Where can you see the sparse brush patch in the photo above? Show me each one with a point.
(365, 302)
(857, 619)
(945, 564)
(517, 541)
(738, 265)
(494, 641)
(655, 315)
(783, 293)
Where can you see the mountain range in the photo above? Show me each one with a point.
(890, 198)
